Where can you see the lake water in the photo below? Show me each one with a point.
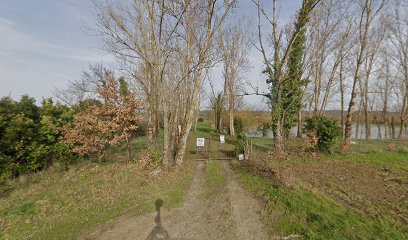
(375, 133)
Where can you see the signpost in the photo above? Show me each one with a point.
(222, 139)
(200, 142)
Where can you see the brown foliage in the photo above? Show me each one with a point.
(392, 147)
(145, 162)
(102, 125)
(311, 141)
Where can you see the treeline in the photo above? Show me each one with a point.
(29, 135)
(34, 137)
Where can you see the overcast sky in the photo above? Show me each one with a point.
(43, 44)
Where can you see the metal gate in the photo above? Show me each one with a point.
(210, 148)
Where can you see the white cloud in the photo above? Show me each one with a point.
(35, 65)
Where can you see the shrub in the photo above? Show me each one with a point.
(29, 135)
(200, 119)
(266, 126)
(326, 130)
(238, 125)
(240, 143)
(6, 167)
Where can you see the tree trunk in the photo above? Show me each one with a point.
(357, 126)
(278, 136)
(342, 96)
(166, 137)
(367, 117)
(392, 127)
(403, 114)
(367, 17)
(186, 126)
(150, 132)
(401, 133)
(129, 152)
(231, 110)
(389, 122)
(349, 119)
(378, 127)
(181, 150)
(299, 128)
(197, 113)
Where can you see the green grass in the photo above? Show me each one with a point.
(312, 215)
(262, 141)
(215, 177)
(379, 146)
(384, 154)
(55, 204)
(138, 147)
(397, 161)
(204, 129)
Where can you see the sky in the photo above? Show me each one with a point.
(46, 43)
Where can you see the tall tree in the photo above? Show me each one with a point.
(293, 87)
(166, 46)
(234, 44)
(399, 48)
(368, 12)
(282, 72)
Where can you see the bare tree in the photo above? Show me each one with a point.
(384, 86)
(202, 21)
(234, 44)
(328, 45)
(165, 46)
(376, 36)
(135, 35)
(399, 49)
(368, 12)
(85, 87)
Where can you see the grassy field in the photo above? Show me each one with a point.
(361, 194)
(58, 204)
(313, 215)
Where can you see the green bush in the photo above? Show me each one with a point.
(326, 130)
(266, 126)
(240, 143)
(238, 125)
(200, 119)
(29, 135)
(6, 167)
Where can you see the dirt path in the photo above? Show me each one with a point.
(246, 209)
(231, 214)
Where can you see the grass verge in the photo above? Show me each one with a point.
(65, 204)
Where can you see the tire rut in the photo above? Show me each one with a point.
(246, 210)
(229, 214)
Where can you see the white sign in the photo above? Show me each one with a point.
(241, 157)
(200, 142)
(222, 139)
